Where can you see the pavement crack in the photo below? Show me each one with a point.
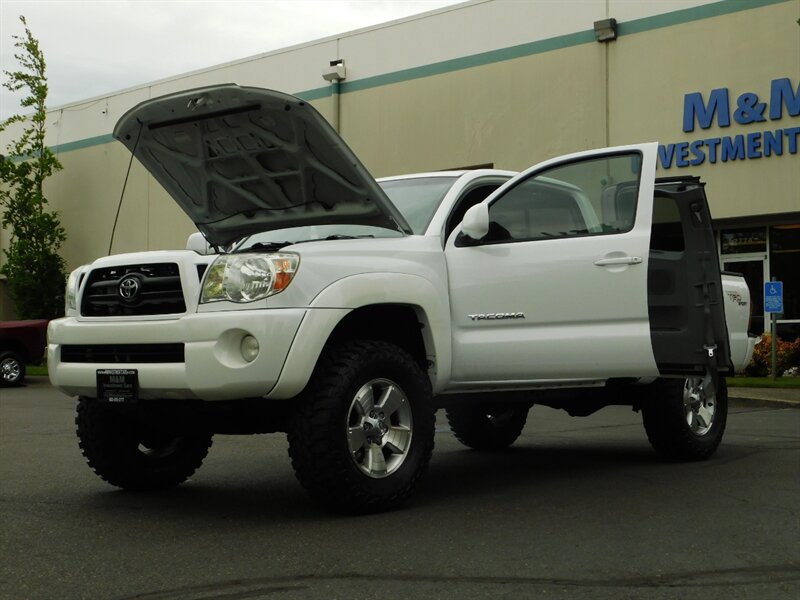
(254, 588)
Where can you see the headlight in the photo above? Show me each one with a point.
(71, 291)
(248, 277)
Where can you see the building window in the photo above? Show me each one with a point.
(741, 241)
(784, 259)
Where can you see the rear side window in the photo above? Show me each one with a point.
(667, 230)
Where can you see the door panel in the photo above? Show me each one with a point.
(557, 289)
(687, 314)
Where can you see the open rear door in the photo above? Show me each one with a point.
(684, 288)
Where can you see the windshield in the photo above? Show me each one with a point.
(417, 198)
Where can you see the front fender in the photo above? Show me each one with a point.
(337, 300)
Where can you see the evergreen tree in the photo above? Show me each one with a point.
(33, 266)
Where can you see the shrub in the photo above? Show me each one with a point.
(761, 364)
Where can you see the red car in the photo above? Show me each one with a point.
(21, 343)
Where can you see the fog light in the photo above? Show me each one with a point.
(249, 348)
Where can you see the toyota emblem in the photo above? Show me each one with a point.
(129, 288)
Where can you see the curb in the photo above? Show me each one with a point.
(762, 402)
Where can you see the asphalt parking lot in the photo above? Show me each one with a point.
(578, 508)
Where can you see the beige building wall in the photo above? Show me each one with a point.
(485, 82)
(499, 114)
(650, 72)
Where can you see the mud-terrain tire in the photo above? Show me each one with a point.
(123, 453)
(362, 432)
(12, 369)
(487, 426)
(681, 422)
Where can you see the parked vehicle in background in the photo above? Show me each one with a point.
(22, 343)
(345, 311)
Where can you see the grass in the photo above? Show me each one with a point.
(36, 370)
(764, 382)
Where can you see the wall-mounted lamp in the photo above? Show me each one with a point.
(605, 30)
(335, 72)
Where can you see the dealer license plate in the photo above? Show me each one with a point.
(118, 385)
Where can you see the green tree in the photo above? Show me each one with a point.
(36, 272)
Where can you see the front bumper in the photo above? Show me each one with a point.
(213, 367)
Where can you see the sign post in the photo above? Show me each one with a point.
(773, 304)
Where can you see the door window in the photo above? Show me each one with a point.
(589, 197)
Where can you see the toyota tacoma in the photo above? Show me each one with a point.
(345, 311)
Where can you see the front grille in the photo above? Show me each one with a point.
(152, 289)
(122, 353)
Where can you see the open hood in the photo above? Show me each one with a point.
(239, 160)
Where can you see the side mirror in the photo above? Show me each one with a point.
(476, 221)
(199, 244)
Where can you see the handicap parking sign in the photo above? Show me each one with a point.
(773, 296)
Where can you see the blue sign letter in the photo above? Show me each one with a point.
(694, 107)
(666, 154)
(732, 148)
(781, 93)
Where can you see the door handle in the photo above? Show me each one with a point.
(618, 260)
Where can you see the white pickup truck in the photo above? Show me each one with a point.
(346, 311)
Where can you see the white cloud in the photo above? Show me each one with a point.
(94, 47)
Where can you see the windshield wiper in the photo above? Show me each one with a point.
(273, 246)
(268, 247)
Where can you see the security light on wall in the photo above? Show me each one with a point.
(605, 30)
(335, 71)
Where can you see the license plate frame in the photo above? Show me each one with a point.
(118, 385)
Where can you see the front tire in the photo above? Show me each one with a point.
(127, 454)
(362, 434)
(682, 421)
(488, 425)
(12, 369)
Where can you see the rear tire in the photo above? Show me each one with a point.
(488, 425)
(123, 452)
(362, 433)
(682, 422)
